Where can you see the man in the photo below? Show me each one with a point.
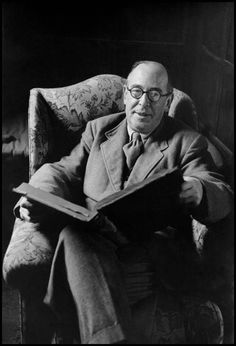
(87, 274)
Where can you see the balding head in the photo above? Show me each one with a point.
(156, 69)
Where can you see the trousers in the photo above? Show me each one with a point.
(94, 283)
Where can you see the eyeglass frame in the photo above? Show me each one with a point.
(147, 92)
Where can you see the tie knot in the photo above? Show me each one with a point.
(136, 136)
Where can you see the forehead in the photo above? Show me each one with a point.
(148, 76)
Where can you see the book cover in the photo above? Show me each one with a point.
(147, 204)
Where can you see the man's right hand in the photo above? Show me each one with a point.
(32, 211)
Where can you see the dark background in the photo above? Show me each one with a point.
(62, 44)
(54, 44)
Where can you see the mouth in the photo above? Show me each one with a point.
(142, 115)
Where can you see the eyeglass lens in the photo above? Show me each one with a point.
(137, 93)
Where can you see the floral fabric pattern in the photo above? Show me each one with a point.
(66, 111)
(191, 320)
(29, 252)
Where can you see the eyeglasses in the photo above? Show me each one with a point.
(154, 95)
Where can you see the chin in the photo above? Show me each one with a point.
(140, 124)
(139, 127)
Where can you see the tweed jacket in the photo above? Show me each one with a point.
(95, 167)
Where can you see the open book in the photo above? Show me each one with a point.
(145, 204)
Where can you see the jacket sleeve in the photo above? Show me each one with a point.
(218, 195)
(65, 177)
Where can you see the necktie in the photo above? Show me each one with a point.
(133, 149)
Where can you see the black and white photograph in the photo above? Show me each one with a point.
(117, 172)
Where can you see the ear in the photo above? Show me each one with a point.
(124, 93)
(168, 103)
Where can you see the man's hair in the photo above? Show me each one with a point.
(169, 84)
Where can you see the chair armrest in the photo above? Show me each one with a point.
(27, 261)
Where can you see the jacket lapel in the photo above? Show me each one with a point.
(113, 155)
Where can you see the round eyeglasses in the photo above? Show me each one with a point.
(154, 95)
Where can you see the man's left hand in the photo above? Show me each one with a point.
(191, 192)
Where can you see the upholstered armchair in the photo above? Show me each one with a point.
(57, 118)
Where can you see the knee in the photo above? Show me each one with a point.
(74, 233)
(73, 240)
(77, 235)
(68, 232)
(84, 240)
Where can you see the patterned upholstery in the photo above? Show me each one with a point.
(62, 113)
(169, 319)
(28, 256)
(65, 111)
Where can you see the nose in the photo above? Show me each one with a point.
(144, 100)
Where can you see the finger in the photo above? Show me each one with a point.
(187, 178)
(33, 207)
(193, 200)
(186, 186)
(187, 193)
(29, 216)
(189, 199)
(24, 214)
(25, 202)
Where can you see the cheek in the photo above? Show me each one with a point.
(126, 99)
(130, 104)
(158, 111)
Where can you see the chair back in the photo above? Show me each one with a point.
(58, 116)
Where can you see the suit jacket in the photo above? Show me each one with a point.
(95, 167)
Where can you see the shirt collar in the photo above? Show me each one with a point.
(143, 136)
(146, 135)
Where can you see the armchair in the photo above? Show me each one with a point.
(57, 118)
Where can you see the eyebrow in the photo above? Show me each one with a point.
(140, 86)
